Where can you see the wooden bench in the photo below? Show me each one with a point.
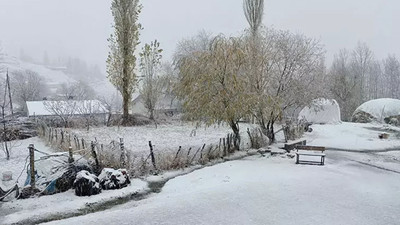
(310, 151)
(292, 144)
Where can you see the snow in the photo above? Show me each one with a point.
(273, 190)
(321, 111)
(67, 202)
(87, 176)
(381, 108)
(353, 136)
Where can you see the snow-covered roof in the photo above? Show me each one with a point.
(381, 108)
(70, 107)
(321, 111)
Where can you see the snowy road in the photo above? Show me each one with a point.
(268, 191)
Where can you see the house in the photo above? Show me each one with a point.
(167, 105)
(69, 107)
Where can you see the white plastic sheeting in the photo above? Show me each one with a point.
(321, 111)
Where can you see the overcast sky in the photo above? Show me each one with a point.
(81, 27)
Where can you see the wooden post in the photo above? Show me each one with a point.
(187, 158)
(32, 165)
(62, 136)
(153, 159)
(177, 154)
(122, 148)
(94, 154)
(9, 93)
(71, 155)
(224, 154)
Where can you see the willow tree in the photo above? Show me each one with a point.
(121, 61)
(212, 84)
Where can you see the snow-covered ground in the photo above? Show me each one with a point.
(63, 203)
(19, 159)
(166, 137)
(353, 187)
(260, 190)
(354, 136)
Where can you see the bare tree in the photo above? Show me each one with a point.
(362, 59)
(78, 90)
(342, 84)
(289, 64)
(88, 110)
(28, 86)
(150, 61)
(113, 105)
(64, 110)
(391, 73)
(121, 61)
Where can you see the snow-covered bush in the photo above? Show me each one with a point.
(86, 184)
(113, 179)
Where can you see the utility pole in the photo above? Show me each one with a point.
(9, 92)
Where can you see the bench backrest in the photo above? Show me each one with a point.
(310, 148)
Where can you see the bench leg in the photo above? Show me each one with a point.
(322, 160)
(297, 158)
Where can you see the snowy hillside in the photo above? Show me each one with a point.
(54, 76)
(51, 76)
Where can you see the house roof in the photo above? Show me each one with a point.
(70, 107)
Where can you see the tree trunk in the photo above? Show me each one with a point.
(126, 98)
(236, 137)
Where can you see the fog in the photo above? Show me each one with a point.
(80, 28)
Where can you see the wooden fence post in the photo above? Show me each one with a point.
(32, 165)
(122, 148)
(153, 159)
(94, 154)
(71, 156)
(177, 154)
(187, 158)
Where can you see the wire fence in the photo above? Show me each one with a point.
(116, 155)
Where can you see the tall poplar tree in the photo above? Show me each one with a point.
(121, 61)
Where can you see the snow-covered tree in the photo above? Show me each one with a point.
(391, 74)
(121, 61)
(150, 62)
(288, 75)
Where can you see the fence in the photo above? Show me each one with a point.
(115, 154)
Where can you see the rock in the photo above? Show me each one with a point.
(28, 192)
(113, 179)
(86, 184)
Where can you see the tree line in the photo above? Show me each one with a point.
(262, 75)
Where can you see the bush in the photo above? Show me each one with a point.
(113, 179)
(86, 184)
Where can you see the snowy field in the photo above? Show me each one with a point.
(260, 190)
(166, 137)
(354, 136)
